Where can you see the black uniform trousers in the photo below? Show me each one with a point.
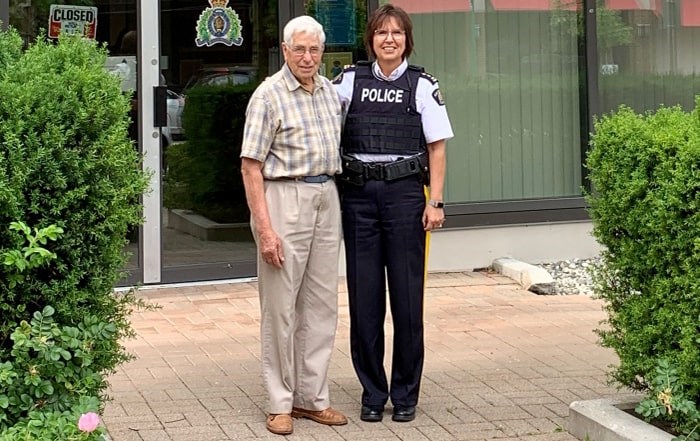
(383, 231)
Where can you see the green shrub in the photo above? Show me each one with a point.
(203, 173)
(51, 369)
(645, 206)
(667, 400)
(56, 425)
(65, 162)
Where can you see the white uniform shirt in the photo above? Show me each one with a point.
(436, 124)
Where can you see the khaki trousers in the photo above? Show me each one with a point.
(299, 302)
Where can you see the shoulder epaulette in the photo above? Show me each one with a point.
(347, 68)
(416, 68)
(364, 63)
(429, 77)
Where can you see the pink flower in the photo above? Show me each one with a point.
(88, 422)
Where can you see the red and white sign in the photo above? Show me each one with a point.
(73, 20)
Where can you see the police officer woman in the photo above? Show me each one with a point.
(394, 136)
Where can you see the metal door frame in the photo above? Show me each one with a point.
(150, 248)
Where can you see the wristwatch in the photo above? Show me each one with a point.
(436, 204)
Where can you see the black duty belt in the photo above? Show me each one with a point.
(385, 171)
(318, 179)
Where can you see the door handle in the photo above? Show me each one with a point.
(160, 106)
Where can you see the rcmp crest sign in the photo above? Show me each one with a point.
(219, 24)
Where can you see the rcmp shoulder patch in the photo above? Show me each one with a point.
(437, 96)
(429, 77)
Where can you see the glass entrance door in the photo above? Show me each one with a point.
(213, 54)
(206, 56)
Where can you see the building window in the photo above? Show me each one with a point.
(656, 62)
(509, 73)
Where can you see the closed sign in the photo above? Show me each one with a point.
(73, 20)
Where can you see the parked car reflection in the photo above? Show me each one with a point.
(222, 76)
(173, 132)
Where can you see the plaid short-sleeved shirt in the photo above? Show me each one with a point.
(291, 131)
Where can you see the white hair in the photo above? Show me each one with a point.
(303, 24)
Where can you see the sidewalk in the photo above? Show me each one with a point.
(501, 363)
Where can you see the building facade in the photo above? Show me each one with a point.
(523, 81)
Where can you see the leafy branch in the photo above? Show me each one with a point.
(666, 396)
(31, 256)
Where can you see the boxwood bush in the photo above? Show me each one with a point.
(65, 161)
(645, 206)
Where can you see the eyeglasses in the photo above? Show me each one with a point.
(300, 51)
(384, 34)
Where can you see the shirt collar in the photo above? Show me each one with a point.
(293, 83)
(394, 75)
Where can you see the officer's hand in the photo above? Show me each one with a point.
(271, 248)
(433, 218)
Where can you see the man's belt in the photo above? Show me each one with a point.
(318, 179)
(355, 170)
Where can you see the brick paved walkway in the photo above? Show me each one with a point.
(501, 363)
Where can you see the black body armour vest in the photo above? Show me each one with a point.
(382, 117)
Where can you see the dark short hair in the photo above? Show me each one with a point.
(377, 19)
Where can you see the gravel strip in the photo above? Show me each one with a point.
(571, 277)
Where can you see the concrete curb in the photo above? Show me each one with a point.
(606, 420)
(530, 277)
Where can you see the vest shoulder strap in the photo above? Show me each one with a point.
(363, 69)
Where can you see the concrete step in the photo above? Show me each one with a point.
(607, 420)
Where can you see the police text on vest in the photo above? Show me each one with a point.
(382, 95)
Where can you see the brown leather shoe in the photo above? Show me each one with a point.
(329, 417)
(280, 424)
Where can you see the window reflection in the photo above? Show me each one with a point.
(656, 63)
(344, 24)
(508, 70)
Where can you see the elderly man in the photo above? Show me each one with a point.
(290, 155)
